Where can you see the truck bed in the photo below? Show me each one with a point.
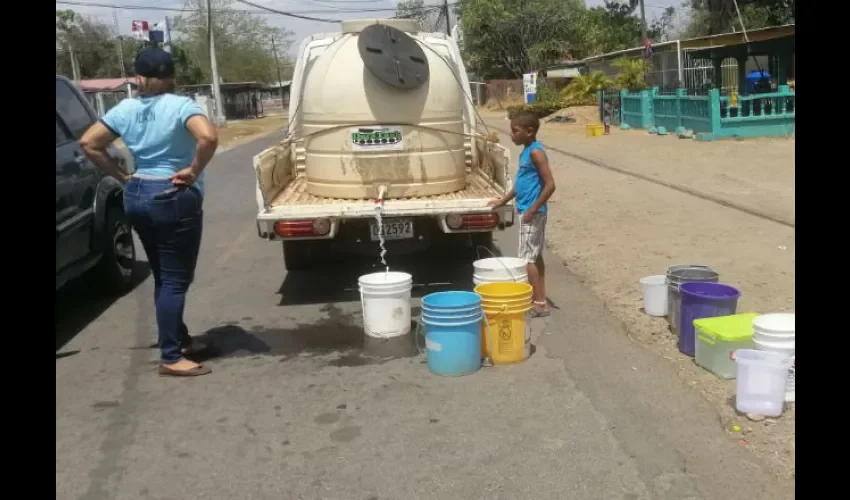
(282, 195)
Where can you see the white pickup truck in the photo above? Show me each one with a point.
(313, 227)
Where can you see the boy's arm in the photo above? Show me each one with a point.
(538, 158)
(504, 199)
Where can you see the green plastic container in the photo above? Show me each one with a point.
(718, 338)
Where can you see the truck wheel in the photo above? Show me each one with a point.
(114, 272)
(300, 255)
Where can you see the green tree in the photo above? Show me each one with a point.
(431, 19)
(506, 38)
(85, 48)
(243, 42)
(710, 17)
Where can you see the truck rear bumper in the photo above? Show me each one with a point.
(315, 224)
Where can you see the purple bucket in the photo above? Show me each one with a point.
(703, 300)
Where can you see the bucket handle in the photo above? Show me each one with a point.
(416, 335)
(478, 253)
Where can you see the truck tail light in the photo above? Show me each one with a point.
(302, 228)
(472, 221)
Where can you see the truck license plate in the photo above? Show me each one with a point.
(392, 229)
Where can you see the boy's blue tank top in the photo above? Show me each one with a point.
(528, 184)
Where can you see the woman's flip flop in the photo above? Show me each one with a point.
(192, 372)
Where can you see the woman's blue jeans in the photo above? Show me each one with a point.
(169, 221)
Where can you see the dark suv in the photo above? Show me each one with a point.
(92, 233)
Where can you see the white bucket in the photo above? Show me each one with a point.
(777, 333)
(385, 298)
(499, 269)
(480, 280)
(779, 326)
(654, 294)
(760, 382)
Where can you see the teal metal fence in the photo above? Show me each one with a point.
(712, 116)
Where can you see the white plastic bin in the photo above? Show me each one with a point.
(760, 382)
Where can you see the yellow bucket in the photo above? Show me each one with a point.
(503, 334)
(595, 129)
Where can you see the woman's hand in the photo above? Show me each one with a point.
(185, 177)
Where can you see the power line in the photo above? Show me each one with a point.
(243, 11)
(289, 14)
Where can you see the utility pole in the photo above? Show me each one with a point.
(448, 20)
(279, 79)
(220, 120)
(120, 43)
(168, 47)
(644, 39)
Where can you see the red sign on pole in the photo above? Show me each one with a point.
(141, 30)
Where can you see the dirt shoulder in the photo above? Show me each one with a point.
(612, 228)
(239, 132)
(754, 174)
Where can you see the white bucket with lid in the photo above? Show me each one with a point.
(385, 299)
(777, 333)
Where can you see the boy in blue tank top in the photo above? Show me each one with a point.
(533, 186)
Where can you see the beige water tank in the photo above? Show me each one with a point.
(380, 109)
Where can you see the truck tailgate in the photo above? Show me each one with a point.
(282, 190)
(294, 202)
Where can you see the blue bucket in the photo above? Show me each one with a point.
(460, 316)
(452, 323)
(453, 348)
(450, 301)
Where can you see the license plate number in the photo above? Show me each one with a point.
(392, 229)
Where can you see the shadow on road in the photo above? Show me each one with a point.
(79, 303)
(339, 283)
(336, 332)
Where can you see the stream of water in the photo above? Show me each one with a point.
(379, 219)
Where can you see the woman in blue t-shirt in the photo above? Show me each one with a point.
(172, 141)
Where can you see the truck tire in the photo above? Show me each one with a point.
(114, 272)
(300, 255)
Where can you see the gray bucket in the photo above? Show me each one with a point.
(685, 273)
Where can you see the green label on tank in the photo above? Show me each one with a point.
(376, 139)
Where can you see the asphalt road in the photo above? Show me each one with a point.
(295, 410)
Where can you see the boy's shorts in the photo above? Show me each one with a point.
(531, 238)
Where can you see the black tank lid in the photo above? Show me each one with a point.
(393, 57)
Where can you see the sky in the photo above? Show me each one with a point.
(144, 10)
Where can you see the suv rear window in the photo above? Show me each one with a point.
(73, 112)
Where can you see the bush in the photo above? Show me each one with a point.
(582, 89)
(540, 109)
